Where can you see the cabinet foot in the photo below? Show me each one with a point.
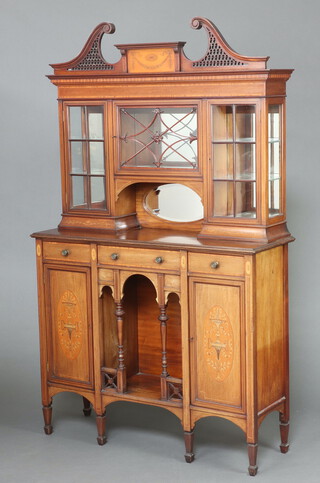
(252, 453)
(47, 416)
(86, 407)
(284, 433)
(101, 427)
(188, 441)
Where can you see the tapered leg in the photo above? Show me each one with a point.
(284, 433)
(101, 427)
(86, 407)
(47, 416)
(252, 453)
(188, 440)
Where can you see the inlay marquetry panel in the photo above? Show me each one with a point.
(69, 330)
(217, 339)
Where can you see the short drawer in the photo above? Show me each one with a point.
(214, 264)
(139, 258)
(71, 252)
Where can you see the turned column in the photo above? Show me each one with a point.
(121, 371)
(163, 318)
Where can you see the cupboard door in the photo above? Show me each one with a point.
(69, 325)
(217, 344)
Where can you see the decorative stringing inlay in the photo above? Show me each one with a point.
(70, 325)
(218, 343)
(216, 56)
(93, 60)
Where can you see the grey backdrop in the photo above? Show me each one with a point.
(36, 32)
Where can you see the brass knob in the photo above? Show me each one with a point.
(214, 265)
(114, 256)
(65, 253)
(159, 260)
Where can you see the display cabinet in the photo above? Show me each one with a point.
(165, 282)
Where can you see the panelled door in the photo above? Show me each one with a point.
(69, 327)
(217, 344)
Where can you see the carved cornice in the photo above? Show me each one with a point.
(219, 56)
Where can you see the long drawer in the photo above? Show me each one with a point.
(139, 258)
(215, 264)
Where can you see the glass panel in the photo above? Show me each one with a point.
(274, 159)
(161, 137)
(77, 159)
(223, 161)
(245, 123)
(245, 199)
(274, 198)
(95, 120)
(78, 190)
(175, 202)
(222, 123)
(75, 127)
(96, 157)
(223, 198)
(97, 189)
(245, 161)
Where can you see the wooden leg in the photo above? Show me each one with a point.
(188, 440)
(86, 407)
(284, 433)
(252, 453)
(47, 416)
(101, 427)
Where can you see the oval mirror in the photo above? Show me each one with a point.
(174, 202)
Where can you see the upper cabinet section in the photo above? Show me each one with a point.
(135, 130)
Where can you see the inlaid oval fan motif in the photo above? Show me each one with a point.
(70, 325)
(218, 343)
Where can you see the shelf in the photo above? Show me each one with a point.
(144, 387)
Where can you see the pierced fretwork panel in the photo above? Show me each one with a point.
(158, 137)
(109, 378)
(174, 390)
(216, 56)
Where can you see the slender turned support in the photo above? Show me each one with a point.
(163, 330)
(188, 441)
(252, 453)
(86, 406)
(121, 371)
(101, 427)
(47, 416)
(284, 433)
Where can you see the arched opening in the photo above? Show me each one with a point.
(142, 341)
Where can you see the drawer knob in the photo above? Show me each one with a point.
(65, 253)
(214, 265)
(159, 260)
(114, 256)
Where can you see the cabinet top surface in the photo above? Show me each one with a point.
(150, 238)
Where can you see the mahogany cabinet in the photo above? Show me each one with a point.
(166, 281)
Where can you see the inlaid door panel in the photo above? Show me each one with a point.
(69, 325)
(217, 344)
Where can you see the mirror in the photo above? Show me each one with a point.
(174, 202)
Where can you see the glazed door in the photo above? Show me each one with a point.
(217, 341)
(69, 328)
